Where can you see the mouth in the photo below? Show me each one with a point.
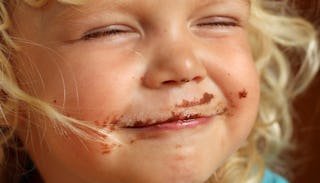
(176, 121)
(187, 114)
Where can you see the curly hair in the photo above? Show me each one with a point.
(282, 79)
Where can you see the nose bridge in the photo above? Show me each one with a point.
(174, 59)
(172, 36)
(175, 49)
(178, 56)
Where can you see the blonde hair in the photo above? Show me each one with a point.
(274, 34)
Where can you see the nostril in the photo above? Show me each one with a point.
(197, 79)
(185, 80)
(169, 82)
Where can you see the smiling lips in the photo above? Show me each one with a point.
(179, 120)
(193, 113)
(183, 115)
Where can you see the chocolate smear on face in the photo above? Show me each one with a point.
(174, 117)
(107, 148)
(206, 98)
(243, 94)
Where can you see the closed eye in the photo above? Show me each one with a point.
(216, 22)
(107, 32)
(222, 24)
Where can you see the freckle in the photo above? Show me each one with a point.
(132, 141)
(55, 101)
(178, 146)
(142, 78)
(229, 113)
(179, 158)
(242, 94)
(96, 122)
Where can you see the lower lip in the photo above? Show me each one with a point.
(177, 125)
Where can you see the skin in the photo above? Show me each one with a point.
(160, 62)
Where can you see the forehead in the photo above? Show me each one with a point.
(73, 8)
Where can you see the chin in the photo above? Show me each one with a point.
(192, 171)
(190, 177)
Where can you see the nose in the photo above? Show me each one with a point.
(173, 63)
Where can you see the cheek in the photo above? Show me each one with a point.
(103, 81)
(37, 75)
(238, 80)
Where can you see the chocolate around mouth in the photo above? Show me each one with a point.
(206, 98)
(176, 117)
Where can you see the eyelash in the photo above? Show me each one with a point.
(104, 32)
(219, 24)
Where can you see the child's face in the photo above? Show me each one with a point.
(127, 66)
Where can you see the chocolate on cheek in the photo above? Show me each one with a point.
(107, 148)
(234, 99)
(242, 94)
(109, 124)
